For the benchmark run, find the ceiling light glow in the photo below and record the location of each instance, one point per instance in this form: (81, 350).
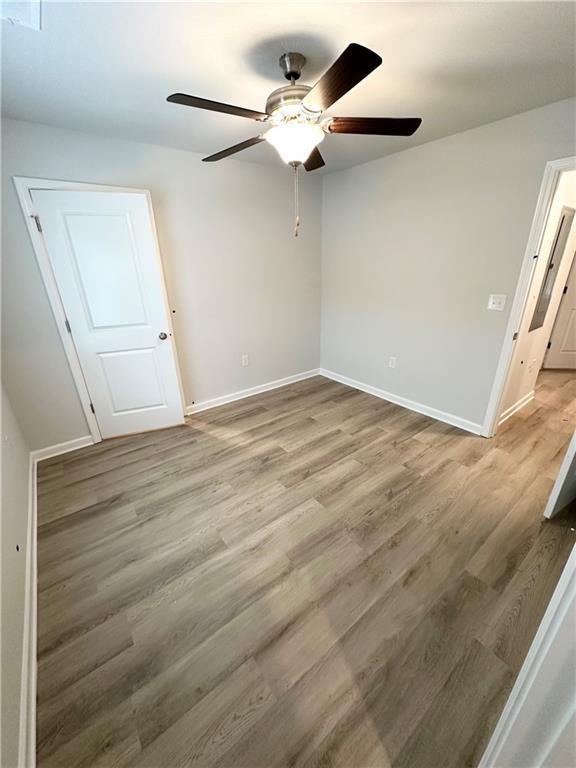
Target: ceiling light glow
(294, 141)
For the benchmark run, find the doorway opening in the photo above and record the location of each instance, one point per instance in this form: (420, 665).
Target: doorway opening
(540, 348)
(536, 378)
(547, 334)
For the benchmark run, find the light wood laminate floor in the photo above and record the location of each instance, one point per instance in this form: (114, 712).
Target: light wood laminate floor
(309, 577)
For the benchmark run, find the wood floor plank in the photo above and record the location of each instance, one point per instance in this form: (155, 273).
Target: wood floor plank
(186, 678)
(306, 707)
(310, 577)
(63, 618)
(525, 598)
(78, 658)
(109, 742)
(354, 741)
(398, 664)
(214, 725)
(501, 555)
(459, 709)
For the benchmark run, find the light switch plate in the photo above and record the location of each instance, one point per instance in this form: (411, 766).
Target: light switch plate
(497, 301)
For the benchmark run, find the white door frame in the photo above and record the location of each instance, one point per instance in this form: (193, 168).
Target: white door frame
(23, 186)
(552, 173)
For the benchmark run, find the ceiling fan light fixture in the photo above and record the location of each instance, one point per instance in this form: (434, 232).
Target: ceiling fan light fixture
(295, 113)
(294, 141)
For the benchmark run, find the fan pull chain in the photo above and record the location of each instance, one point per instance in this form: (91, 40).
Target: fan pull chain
(296, 202)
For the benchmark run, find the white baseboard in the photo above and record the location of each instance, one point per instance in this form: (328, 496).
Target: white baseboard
(516, 407)
(28, 676)
(241, 394)
(55, 450)
(426, 410)
(27, 722)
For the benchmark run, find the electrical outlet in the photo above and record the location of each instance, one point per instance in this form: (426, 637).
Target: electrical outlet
(497, 301)
(245, 361)
(392, 362)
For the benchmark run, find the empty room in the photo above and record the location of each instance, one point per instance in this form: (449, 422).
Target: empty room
(288, 384)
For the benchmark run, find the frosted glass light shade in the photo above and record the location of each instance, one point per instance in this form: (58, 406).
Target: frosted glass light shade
(294, 141)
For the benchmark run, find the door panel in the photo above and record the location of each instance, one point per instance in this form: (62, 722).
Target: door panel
(103, 252)
(104, 255)
(553, 267)
(562, 352)
(133, 380)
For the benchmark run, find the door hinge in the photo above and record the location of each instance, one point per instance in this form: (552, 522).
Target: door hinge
(515, 336)
(548, 345)
(565, 290)
(37, 221)
(67, 324)
(92, 409)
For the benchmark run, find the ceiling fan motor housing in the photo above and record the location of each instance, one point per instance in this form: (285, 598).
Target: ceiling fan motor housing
(286, 99)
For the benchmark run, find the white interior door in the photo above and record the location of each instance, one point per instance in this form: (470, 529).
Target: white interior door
(562, 351)
(102, 248)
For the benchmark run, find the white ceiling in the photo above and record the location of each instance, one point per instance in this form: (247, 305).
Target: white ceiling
(108, 67)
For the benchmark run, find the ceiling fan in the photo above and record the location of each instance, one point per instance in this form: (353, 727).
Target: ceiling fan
(295, 113)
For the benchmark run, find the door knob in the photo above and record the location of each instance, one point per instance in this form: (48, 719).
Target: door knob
(162, 335)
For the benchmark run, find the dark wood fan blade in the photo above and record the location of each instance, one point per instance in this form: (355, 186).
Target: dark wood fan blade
(215, 106)
(233, 150)
(377, 126)
(315, 160)
(352, 66)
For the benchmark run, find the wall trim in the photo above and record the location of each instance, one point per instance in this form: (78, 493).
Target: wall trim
(205, 405)
(555, 612)
(27, 719)
(516, 407)
(55, 450)
(411, 405)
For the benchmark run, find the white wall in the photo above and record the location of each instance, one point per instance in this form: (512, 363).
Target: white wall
(239, 281)
(530, 348)
(15, 508)
(413, 244)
